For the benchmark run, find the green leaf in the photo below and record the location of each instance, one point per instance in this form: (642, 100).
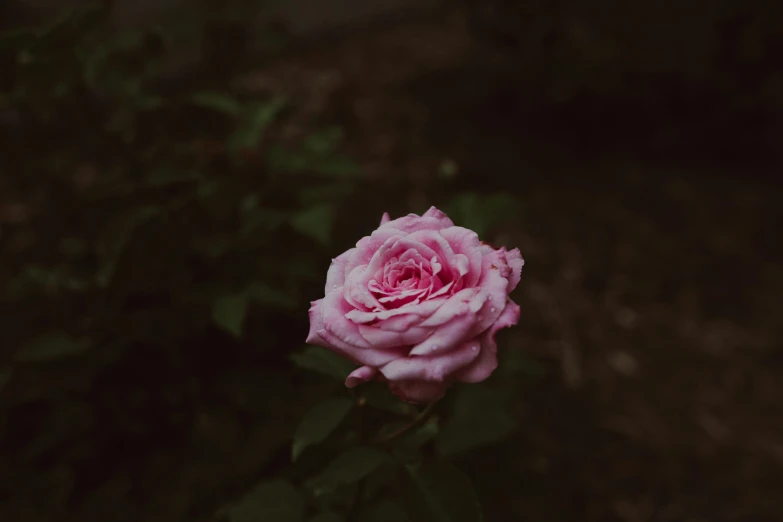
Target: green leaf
(324, 362)
(51, 347)
(324, 141)
(229, 313)
(386, 511)
(315, 222)
(256, 120)
(437, 491)
(479, 419)
(275, 501)
(319, 423)
(350, 467)
(327, 517)
(218, 102)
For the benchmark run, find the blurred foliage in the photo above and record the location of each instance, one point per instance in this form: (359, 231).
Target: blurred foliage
(161, 242)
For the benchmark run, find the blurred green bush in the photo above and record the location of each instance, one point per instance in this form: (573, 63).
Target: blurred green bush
(161, 243)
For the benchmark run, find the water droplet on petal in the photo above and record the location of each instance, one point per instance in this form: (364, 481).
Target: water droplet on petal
(492, 309)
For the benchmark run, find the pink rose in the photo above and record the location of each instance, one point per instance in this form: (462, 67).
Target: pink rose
(417, 305)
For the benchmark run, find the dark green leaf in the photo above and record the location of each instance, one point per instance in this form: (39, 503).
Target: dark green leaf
(319, 423)
(254, 123)
(275, 501)
(51, 347)
(350, 467)
(229, 313)
(323, 361)
(386, 511)
(437, 491)
(315, 222)
(324, 141)
(479, 419)
(219, 102)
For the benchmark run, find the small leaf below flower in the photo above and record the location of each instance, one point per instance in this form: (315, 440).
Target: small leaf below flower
(350, 467)
(319, 423)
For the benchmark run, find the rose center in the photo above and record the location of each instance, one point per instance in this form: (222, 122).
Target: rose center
(408, 281)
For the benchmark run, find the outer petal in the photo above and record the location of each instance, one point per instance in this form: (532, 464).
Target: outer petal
(316, 323)
(320, 336)
(515, 262)
(335, 277)
(433, 219)
(418, 392)
(447, 338)
(492, 292)
(487, 361)
(360, 375)
(333, 309)
(433, 369)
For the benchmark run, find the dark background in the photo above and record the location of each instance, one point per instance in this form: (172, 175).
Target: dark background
(176, 177)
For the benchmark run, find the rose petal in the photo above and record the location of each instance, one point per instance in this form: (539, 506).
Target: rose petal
(360, 375)
(367, 246)
(466, 242)
(487, 361)
(335, 277)
(320, 336)
(436, 243)
(433, 219)
(446, 337)
(333, 309)
(435, 369)
(515, 262)
(385, 339)
(457, 304)
(421, 310)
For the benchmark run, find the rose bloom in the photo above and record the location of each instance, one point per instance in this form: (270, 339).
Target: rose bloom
(417, 305)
